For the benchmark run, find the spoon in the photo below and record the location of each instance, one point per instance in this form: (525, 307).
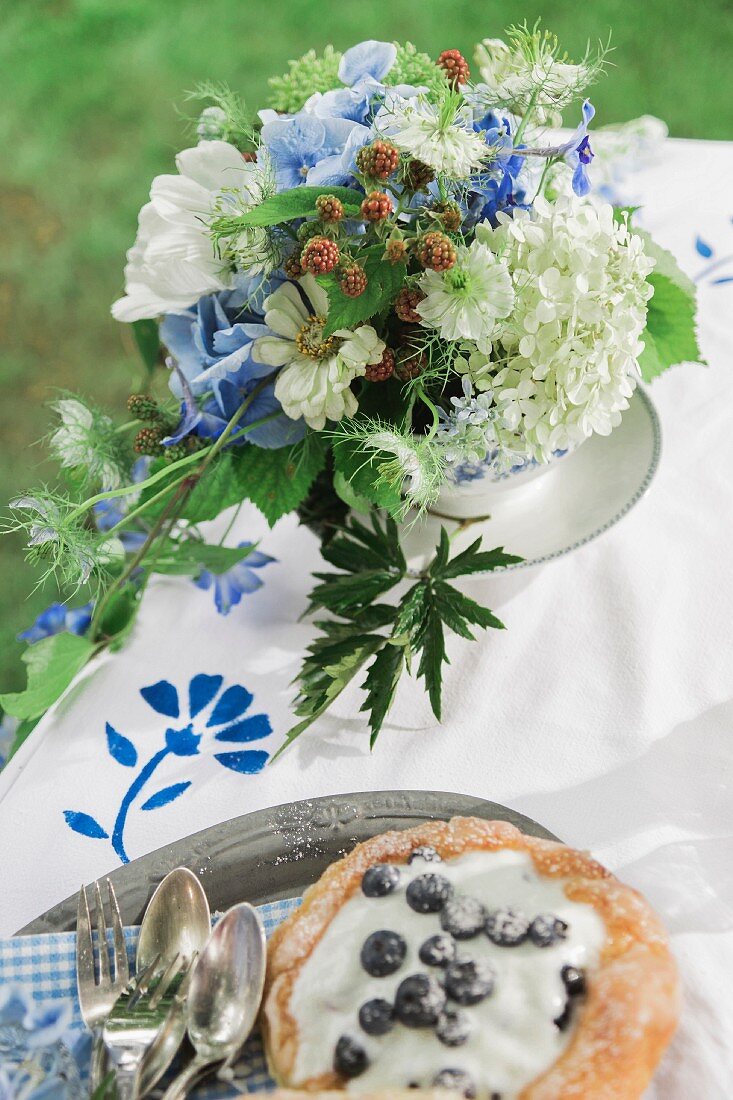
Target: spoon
(177, 922)
(224, 995)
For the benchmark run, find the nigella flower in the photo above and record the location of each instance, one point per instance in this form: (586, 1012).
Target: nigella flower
(56, 619)
(465, 302)
(86, 443)
(238, 581)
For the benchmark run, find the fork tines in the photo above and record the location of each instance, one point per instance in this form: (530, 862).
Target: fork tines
(106, 976)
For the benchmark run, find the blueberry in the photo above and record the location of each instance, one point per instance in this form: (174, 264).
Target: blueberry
(507, 927)
(469, 981)
(383, 953)
(439, 950)
(380, 880)
(547, 929)
(463, 917)
(574, 980)
(376, 1017)
(419, 1001)
(562, 1021)
(453, 1028)
(349, 1058)
(457, 1080)
(428, 893)
(426, 853)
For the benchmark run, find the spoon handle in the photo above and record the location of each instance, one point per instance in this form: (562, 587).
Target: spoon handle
(189, 1077)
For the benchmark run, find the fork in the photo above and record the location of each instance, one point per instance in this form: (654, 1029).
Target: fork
(137, 1017)
(98, 993)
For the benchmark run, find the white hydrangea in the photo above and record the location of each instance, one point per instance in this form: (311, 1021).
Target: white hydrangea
(465, 302)
(315, 382)
(568, 354)
(447, 143)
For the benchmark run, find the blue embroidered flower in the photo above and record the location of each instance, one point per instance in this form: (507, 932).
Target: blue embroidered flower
(56, 619)
(240, 580)
(227, 723)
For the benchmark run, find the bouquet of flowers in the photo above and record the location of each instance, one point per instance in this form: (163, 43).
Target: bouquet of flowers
(391, 271)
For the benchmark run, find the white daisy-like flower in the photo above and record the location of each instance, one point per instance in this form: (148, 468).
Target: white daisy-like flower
(465, 302)
(449, 145)
(568, 353)
(317, 373)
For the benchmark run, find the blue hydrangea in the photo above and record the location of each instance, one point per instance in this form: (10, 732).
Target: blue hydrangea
(240, 580)
(214, 370)
(38, 1056)
(56, 619)
(298, 146)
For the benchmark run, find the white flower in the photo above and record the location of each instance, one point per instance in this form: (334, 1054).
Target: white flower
(465, 302)
(418, 465)
(529, 75)
(173, 262)
(449, 145)
(86, 441)
(317, 374)
(568, 353)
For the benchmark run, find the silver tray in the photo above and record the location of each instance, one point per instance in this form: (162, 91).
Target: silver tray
(278, 852)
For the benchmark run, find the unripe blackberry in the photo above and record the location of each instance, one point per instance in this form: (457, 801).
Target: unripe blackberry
(330, 209)
(449, 214)
(405, 304)
(175, 451)
(378, 160)
(143, 407)
(436, 251)
(395, 251)
(320, 256)
(292, 266)
(353, 281)
(148, 441)
(306, 230)
(455, 67)
(376, 207)
(416, 176)
(384, 369)
(410, 364)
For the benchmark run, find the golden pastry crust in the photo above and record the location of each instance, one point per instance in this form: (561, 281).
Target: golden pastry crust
(632, 1005)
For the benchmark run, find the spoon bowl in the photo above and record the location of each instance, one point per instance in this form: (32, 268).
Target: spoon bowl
(177, 921)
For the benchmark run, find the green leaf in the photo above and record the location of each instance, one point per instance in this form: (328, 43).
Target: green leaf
(458, 610)
(120, 611)
(298, 202)
(343, 593)
(218, 488)
(361, 469)
(52, 665)
(474, 560)
(147, 339)
(381, 682)
(433, 655)
(412, 613)
(348, 494)
(665, 263)
(384, 280)
(191, 557)
(670, 337)
(278, 480)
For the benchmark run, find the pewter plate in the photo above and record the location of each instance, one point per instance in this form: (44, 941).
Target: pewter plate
(279, 852)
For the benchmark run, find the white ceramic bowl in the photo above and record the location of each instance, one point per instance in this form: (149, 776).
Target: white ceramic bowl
(473, 490)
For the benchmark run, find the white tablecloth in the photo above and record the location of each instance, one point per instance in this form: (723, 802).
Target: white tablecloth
(605, 710)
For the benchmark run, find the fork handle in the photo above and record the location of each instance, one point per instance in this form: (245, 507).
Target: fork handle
(99, 1065)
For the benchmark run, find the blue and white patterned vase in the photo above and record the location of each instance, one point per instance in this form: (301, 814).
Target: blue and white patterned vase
(474, 489)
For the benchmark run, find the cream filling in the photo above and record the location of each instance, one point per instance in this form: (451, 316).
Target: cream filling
(513, 1037)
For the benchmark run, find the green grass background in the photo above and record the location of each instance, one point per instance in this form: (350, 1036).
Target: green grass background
(88, 117)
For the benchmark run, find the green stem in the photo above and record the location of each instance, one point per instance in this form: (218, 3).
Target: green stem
(126, 427)
(137, 487)
(436, 419)
(525, 118)
(142, 508)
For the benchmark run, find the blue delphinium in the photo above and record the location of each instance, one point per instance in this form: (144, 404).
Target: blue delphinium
(214, 370)
(578, 153)
(498, 189)
(56, 619)
(241, 579)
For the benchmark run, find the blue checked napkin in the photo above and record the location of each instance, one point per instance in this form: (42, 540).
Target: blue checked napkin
(46, 966)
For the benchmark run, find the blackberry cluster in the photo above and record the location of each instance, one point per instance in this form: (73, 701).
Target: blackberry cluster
(320, 256)
(405, 305)
(353, 281)
(376, 207)
(449, 215)
(378, 160)
(395, 251)
(417, 176)
(436, 251)
(410, 364)
(455, 67)
(330, 209)
(384, 369)
(292, 266)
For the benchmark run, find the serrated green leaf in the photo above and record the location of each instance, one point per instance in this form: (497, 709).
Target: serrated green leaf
(342, 593)
(147, 339)
(276, 481)
(298, 202)
(384, 280)
(52, 665)
(433, 656)
(381, 682)
(458, 610)
(665, 263)
(475, 560)
(670, 337)
(412, 613)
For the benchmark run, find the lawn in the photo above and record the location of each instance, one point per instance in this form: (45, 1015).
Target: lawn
(92, 111)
